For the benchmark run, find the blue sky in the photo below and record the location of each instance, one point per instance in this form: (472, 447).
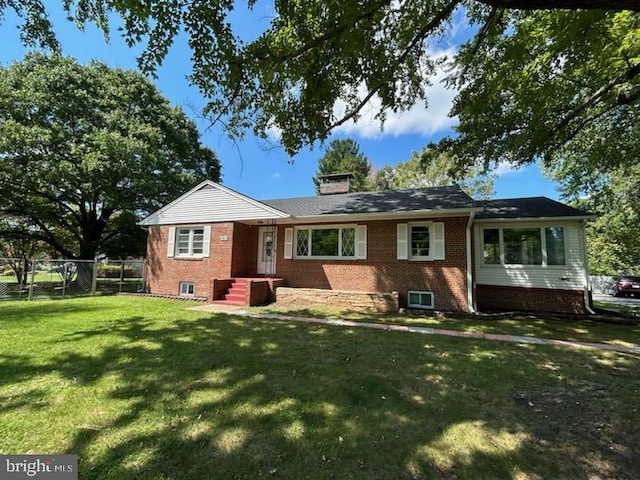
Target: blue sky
(250, 165)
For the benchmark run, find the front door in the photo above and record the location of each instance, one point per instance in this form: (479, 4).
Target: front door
(267, 251)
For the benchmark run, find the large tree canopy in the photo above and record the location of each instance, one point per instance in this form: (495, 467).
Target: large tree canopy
(86, 150)
(317, 54)
(544, 85)
(613, 195)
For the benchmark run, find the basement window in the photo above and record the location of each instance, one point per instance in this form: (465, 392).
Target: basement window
(187, 289)
(419, 299)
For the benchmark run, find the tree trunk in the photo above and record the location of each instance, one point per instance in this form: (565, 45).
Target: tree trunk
(84, 277)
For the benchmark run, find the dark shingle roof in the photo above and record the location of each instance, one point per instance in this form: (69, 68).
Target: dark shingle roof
(533, 207)
(437, 198)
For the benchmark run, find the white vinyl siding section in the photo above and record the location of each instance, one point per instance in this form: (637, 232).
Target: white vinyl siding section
(571, 276)
(211, 204)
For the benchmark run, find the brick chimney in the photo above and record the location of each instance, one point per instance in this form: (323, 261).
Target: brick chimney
(335, 183)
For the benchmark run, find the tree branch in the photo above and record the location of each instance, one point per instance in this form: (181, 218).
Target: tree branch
(601, 92)
(494, 17)
(316, 42)
(419, 37)
(49, 239)
(633, 5)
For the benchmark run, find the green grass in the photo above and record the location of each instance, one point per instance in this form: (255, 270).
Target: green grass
(625, 311)
(141, 388)
(565, 328)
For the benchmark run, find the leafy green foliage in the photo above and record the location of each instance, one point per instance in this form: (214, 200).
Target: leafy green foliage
(430, 168)
(540, 84)
(612, 195)
(344, 156)
(88, 149)
(556, 66)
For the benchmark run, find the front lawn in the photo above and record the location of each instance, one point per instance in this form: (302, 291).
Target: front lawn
(540, 325)
(141, 388)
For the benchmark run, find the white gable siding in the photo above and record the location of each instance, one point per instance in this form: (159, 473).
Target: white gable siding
(211, 204)
(571, 276)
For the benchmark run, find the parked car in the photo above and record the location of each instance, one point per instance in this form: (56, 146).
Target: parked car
(626, 285)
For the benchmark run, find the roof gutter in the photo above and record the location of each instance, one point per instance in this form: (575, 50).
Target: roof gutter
(535, 219)
(470, 265)
(370, 216)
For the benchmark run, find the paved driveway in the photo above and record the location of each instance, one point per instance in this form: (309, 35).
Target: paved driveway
(633, 302)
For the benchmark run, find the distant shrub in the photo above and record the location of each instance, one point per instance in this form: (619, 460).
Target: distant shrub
(113, 271)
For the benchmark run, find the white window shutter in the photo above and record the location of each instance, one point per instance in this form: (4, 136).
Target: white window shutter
(438, 241)
(206, 241)
(361, 242)
(402, 241)
(288, 243)
(171, 241)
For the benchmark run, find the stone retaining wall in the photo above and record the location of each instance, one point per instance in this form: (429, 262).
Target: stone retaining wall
(370, 302)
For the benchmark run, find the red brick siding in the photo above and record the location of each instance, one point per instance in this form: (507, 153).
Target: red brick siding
(492, 297)
(164, 273)
(382, 272)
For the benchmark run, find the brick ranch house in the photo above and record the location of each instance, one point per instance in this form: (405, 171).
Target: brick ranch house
(433, 248)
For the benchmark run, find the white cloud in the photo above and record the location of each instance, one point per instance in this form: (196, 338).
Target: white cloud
(276, 176)
(506, 168)
(417, 120)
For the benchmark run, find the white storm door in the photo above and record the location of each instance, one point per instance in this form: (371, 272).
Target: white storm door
(266, 251)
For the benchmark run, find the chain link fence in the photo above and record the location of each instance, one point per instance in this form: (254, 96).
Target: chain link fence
(22, 279)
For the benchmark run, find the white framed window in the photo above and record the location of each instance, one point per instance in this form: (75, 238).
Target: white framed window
(420, 299)
(189, 241)
(528, 246)
(420, 241)
(187, 289)
(345, 242)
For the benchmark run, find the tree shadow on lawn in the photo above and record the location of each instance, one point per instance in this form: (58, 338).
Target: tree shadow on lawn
(575, 328)
(223, 397)
(37, 311)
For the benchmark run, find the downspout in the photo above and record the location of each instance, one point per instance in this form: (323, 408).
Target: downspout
(470, 265)
(585, 259)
